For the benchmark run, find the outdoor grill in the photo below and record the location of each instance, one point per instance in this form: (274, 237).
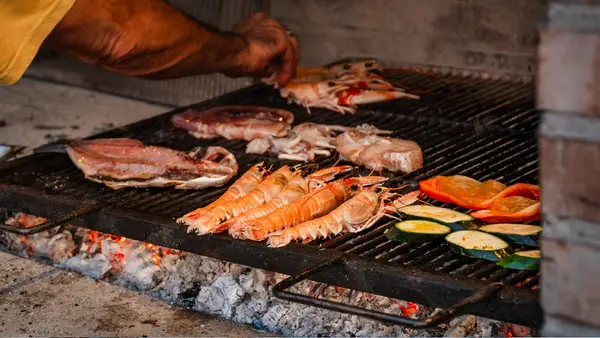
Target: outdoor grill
(465, 124)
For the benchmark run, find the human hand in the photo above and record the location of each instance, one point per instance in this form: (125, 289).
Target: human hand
(270, 49)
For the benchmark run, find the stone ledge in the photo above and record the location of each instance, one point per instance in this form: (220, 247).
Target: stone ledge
(574, 127)
(570, 275)
(569, 175)
(570, 229)
(562, 327)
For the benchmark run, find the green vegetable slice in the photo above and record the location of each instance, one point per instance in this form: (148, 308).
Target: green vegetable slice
(522, 260)
(478, 244)
(523, 234)
(454, 219)
(416, 231)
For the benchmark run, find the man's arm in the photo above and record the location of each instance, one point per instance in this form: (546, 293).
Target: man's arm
(151, 39)
(146, 38)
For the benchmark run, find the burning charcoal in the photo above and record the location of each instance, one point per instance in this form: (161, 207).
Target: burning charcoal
(254, 280)
(271, 319)
(221, 297)
(95, 267)
(248, 313)
(461, 326)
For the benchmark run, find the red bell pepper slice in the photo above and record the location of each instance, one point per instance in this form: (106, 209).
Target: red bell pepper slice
(510, 210)
(495, 201)
(462, 190)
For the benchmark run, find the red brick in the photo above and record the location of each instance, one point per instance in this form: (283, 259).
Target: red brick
(570, 275)
(570, 178)
(569, 72)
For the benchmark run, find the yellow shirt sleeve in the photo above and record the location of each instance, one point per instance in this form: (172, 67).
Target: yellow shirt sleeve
(24, 25)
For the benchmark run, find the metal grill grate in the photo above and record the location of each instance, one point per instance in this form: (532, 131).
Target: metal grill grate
(476, 127)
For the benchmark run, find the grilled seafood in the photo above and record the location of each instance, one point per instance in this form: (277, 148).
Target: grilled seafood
(294, 190)
(306, 141)
(235, 122)
(356, 214)
(123, 162)
(249, 180)
(377, 152)
(209, 221)
(341, 96)
(322, 94)
(340, 87)
(316, 204)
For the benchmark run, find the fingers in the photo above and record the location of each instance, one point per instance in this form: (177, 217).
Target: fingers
(290, 60)
(272, 47)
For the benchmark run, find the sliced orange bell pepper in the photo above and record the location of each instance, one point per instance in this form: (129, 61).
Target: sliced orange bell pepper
(495, 201)
(462, 190)
(510, 210)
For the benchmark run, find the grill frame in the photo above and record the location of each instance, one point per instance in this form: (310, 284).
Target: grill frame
(47, 197)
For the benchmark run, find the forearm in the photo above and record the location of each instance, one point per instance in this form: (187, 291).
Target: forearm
(144, 44)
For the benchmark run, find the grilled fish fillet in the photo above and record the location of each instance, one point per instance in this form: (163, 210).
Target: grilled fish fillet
(123, 162)
(377, 152)
(235, 122)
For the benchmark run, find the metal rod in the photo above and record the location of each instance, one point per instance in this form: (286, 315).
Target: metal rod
(51, 224)
(279, 290)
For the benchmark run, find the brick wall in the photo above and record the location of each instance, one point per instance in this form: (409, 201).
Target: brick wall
(568, 88)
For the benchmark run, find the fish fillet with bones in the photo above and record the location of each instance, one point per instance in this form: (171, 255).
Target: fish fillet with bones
(124, 162)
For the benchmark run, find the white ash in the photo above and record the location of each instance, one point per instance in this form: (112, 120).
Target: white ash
(95, 267)
(221, 298)
(225, 289)
(55, 244)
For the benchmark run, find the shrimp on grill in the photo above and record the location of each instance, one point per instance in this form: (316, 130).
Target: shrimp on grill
(356, 214)
(316, 204)
(209, 221)
(294, 190)
(248, 181)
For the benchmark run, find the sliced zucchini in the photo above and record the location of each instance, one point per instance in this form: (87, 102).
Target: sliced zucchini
(522, 260)
(479, 244)
(454, 219)
(515, 233)
(416, 231)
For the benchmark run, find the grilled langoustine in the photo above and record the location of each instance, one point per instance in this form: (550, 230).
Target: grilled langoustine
(124, 162)
(296, 188)
(312, 205)
(210, 221)
(358, 213)
(377, 152)
(235, 122)
(240, 188)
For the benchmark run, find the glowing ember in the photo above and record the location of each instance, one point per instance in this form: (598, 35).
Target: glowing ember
(514, 330)
(409, 309)
(23, 220)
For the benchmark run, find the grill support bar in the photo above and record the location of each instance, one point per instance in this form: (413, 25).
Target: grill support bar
(51, 224)
(279, 290)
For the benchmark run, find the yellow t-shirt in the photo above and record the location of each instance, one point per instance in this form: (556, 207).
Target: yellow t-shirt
(24, 25)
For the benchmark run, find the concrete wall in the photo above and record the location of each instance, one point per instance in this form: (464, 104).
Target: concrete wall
(491, 35)
(568, 88)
